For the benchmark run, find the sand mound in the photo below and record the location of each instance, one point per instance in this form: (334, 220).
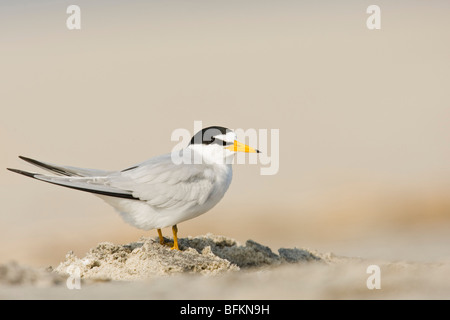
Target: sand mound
(248, 271)
(12, 273)
(210, 254)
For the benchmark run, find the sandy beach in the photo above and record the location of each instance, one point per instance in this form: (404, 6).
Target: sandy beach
(217, 267)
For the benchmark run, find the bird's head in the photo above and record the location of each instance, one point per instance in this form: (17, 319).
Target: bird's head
(218, 144)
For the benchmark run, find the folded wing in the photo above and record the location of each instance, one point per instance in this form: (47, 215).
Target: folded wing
(159, 182)
(165, 185)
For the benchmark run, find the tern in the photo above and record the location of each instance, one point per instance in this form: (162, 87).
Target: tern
(164, 190)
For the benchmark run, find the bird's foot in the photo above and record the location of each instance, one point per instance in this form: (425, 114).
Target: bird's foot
(169, 244)
(174, 244)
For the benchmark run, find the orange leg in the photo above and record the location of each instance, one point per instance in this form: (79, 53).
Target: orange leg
(175, 238)
(161, 239)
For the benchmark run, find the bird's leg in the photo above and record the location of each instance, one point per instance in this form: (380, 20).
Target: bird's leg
(161, 239)
(175, 238)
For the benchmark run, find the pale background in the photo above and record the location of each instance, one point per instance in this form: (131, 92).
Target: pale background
(363, 117)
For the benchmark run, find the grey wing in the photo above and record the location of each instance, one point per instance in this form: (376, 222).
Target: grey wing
(89, 180)
(165, 185)
(66, 170)
(96, 185)
(158, 181)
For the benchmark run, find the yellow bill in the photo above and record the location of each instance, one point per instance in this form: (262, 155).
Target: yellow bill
(240, 147)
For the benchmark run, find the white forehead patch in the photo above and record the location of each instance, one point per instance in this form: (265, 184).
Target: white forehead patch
(229, 137)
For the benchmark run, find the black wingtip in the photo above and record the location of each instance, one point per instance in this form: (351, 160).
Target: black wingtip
(49, 167)
(32, 161)
(105, 193)
(25, 173)
(257, 151)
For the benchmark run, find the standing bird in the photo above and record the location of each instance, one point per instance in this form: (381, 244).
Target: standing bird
(162, 191)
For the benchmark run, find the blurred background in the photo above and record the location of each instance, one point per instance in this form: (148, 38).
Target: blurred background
(363, 116)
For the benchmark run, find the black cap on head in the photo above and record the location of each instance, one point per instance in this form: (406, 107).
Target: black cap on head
(205, 136)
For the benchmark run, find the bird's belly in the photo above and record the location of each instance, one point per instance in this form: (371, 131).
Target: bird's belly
(143, 216)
